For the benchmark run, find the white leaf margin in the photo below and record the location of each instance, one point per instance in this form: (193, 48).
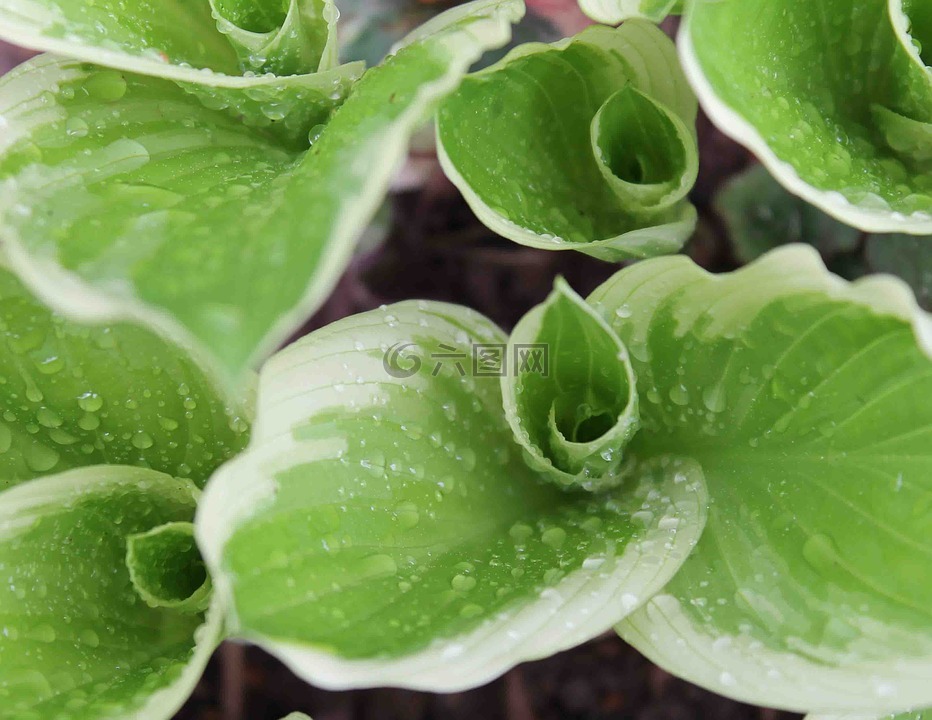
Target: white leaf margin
(586, 603)
(737, 667)
(51, 490)
(647, 58)
(30, 35)
(735, 126)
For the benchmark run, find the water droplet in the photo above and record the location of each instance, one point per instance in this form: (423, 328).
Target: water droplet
(89, 637)
(378, 565)
(48, 418)
(679, 395)
(554, 537)
(42, 633)
(521, 533)
(41, 459)
(472, 610)
(463, 583)
(108, 86)
(820, 552)
(142, 440)
(315, 132)
(76, 127)
(89, 421)
(714, 398)
(407, 515)
(51, 365)
(90, 402)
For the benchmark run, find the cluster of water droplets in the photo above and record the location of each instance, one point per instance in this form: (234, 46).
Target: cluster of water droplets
(72, 396)
(71, 614)
(813, 96)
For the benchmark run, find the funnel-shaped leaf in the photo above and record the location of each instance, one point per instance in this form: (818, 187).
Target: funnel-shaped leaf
(804, 401)
(833, 96)
(206, 42)
(383, 528)
(290, 38)
(571, 399)
(588, 144)
(76, 640)
(166, 568)
(145, 204)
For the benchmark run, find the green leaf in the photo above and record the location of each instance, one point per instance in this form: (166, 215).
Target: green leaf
(574, 412)
(296, 716)
(833, 97)
(73, 395)
(154, 208)
(204, 43)
(383, 529)
(761, 215)
(75, 639)
(804, 401)
(612, 12)
(166, 568)
(588, 144)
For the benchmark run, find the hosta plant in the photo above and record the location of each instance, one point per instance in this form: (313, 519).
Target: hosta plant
(834, 97)
(732, 471)
(588, 144)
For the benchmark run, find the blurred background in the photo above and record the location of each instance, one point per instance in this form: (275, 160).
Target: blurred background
(425, 243)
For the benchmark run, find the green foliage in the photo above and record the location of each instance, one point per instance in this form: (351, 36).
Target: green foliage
(371, 533)
(127, 196)
(733, 471)
(588, 144)
(834, 97)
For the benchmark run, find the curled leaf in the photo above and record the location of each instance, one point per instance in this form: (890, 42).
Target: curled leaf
(383, 528)
(835, 98)
(572, 400)
(206, 43)
(76, 639)
(291, 38)
(588, 144)
(166, 568)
